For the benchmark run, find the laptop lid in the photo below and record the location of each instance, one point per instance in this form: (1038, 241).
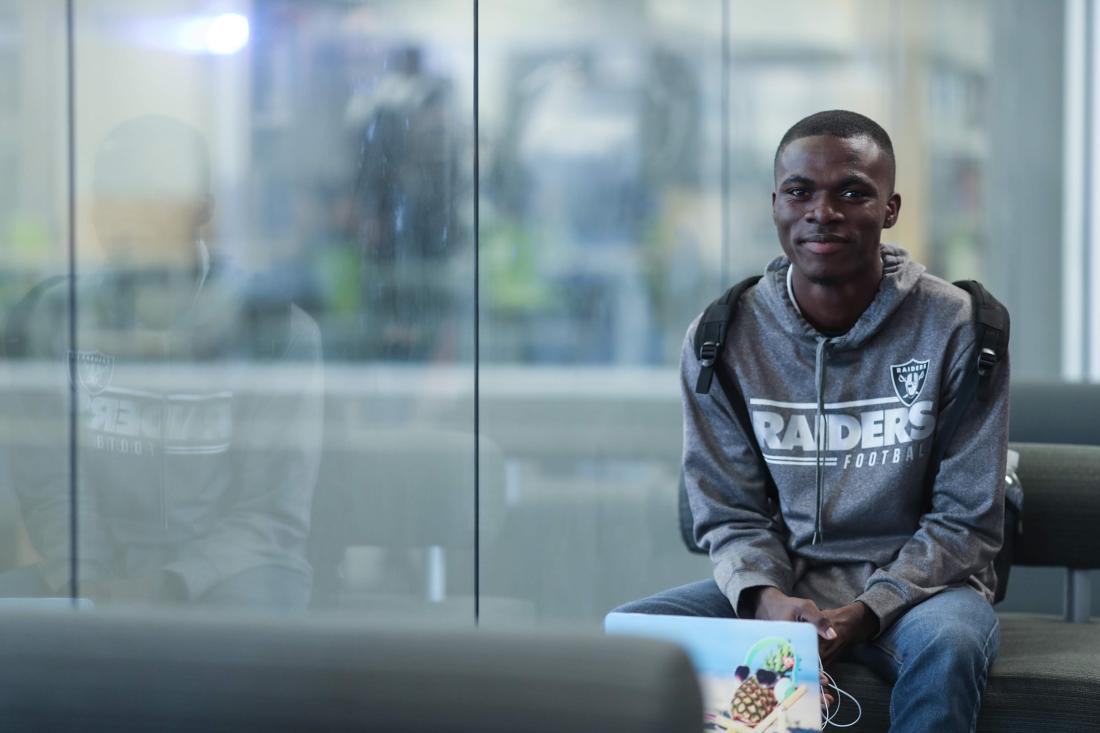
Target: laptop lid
(756, 676)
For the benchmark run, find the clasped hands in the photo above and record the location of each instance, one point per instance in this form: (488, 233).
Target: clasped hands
(837, 629)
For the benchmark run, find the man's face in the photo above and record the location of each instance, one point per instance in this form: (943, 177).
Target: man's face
(833, 197)
(148, 232)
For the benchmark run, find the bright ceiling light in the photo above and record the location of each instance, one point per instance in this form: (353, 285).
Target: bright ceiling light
(227, 34)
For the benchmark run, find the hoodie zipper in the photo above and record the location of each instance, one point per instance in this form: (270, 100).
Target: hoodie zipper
(820, 431)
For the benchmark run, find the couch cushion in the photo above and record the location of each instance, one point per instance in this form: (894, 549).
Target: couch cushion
(1046, 678)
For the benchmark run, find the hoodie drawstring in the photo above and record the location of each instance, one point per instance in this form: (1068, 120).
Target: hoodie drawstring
(820, 426)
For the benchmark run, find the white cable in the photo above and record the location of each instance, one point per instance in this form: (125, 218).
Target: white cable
(830, 716)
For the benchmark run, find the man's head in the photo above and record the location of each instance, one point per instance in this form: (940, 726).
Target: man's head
(151, 192)
(834, 194)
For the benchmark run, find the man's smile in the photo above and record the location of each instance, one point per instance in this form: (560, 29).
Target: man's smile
(823, 244)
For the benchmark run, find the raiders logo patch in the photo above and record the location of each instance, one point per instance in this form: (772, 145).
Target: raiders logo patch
(908, 379)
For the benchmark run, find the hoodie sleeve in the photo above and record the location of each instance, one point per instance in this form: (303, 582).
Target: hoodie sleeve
(40, 473)
(269, 520)
(37, 455)
(726, 489)
(960, 535)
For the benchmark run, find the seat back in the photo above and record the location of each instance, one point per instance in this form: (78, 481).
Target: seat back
(1061, 506)
(92, 671)
(1055, 412)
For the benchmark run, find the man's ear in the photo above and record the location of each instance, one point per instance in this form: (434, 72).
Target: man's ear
(893, 208)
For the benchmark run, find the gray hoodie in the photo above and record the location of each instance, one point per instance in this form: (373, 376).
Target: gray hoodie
(878, 390)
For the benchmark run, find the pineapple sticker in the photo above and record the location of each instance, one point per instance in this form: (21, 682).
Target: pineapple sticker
(752, 702)
(763, 695)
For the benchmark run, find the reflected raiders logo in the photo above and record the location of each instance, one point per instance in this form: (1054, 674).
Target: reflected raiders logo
(908, 379)
(93, 370)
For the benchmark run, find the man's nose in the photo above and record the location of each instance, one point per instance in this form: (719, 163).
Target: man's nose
(822, 211)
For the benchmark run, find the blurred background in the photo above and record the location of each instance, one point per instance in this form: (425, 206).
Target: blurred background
(275, 337)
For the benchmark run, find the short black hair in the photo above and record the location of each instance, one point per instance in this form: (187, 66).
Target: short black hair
(843, 124)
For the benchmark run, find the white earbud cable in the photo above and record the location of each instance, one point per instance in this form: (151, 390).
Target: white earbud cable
(830, 716)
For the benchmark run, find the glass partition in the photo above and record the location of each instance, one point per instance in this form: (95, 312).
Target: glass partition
(294, 374)
(34, 238)
(601, 224)
(626, 180)
(273, 353)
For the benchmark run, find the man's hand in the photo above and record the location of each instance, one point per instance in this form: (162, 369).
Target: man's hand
(838, 628)
(772, 604)
(853, 624)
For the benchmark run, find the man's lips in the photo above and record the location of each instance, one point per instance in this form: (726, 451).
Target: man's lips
(823, 245)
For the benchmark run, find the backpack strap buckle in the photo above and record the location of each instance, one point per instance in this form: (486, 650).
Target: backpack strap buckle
(987, 359)
(708, 352)
(711, 332)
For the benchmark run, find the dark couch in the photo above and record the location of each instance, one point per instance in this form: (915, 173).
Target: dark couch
(1047, 674)
(110, 671)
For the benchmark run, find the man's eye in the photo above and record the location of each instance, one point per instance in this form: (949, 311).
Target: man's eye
(854, 194)
(796, 192)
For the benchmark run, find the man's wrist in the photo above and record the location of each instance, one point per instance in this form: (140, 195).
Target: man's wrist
(754, 600)
(868, 623)
(748, 601)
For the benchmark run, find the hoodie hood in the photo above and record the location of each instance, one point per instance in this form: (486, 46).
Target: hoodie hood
(900, 275)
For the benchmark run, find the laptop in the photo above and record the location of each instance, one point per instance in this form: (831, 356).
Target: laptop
(756, 676)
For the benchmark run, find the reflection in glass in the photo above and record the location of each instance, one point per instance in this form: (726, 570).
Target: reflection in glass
(274, 177)
(176, 501)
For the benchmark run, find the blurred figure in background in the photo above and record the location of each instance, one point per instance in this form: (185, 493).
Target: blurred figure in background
(190, 489)
(408, 219)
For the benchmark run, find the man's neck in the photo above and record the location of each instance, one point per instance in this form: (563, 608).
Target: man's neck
(834, 308)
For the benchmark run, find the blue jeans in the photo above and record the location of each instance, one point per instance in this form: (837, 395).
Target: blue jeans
(937, 655)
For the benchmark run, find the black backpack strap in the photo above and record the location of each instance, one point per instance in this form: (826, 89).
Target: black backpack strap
(993, 330)
(992, 323)
(710, 335)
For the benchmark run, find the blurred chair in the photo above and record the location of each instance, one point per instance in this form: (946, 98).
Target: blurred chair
(97, 672)
(1067, 414)
(1055, 412)
(393, 518)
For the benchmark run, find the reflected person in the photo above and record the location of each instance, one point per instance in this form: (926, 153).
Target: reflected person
(194, 480)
